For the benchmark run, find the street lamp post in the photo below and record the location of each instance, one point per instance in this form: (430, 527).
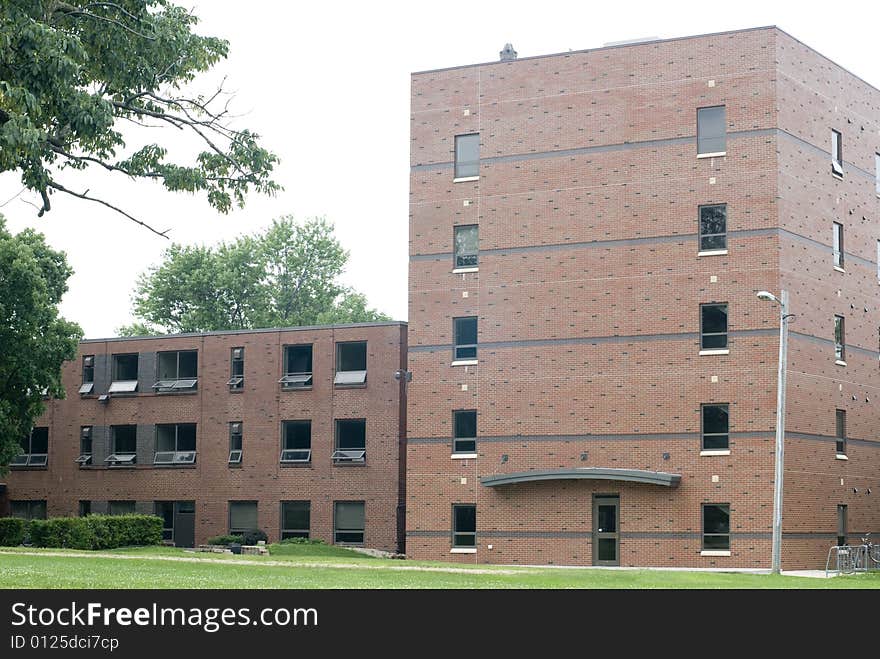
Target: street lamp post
(776, 551)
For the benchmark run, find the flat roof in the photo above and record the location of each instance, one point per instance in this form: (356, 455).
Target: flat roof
(636, 43)
(262, 330)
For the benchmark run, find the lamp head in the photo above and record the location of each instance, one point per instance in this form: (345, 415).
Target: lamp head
(767, 296)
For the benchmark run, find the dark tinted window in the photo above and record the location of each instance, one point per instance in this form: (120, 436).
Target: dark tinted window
(713, 326)
(464, 525)
(465, 330)
(715, 427)
(716, 526)
(465, 431)
(713, 227)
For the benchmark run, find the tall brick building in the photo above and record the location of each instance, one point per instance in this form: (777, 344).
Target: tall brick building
(297, 431)
(594, 378)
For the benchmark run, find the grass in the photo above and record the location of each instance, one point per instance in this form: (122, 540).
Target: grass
(335, 567)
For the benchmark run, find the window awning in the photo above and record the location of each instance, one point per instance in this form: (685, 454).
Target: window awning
(586, 473)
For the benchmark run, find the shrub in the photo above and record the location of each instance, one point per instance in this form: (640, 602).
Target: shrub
(12, 531)
(253, 536)
(97, 531)
(224, 540)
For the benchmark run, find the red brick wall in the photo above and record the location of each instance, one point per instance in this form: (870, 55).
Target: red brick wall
(627, 402)
(261, 407)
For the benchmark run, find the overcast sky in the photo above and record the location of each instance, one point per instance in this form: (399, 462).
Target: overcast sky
(326, 85)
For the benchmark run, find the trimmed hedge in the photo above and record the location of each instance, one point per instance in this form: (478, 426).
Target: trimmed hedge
(253, 536)
(96, 531)
(12, 531)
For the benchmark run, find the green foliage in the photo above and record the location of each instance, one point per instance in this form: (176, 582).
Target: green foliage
(96, 531)
(284, 277)
(253, 536)
(35, 340)
(71, 70)
(11, 531)
(225, 540)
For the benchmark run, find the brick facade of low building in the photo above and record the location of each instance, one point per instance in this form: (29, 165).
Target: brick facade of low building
(261, 405)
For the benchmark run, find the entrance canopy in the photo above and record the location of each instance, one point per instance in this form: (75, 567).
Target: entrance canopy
(587, 473)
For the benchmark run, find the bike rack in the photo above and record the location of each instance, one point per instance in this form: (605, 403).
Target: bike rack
(848, 559)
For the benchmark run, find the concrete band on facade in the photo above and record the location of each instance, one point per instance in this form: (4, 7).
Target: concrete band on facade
(584, 473)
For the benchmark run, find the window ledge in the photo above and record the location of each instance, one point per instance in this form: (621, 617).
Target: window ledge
(839, 362)
(463, 550)
(295, 465)
(838, 268)
(840, 456)
(458, 271)
(715, 452)
(716, 154)
(719, 351)
(465, 362)
(463, 456)
(715, 553)
(713, 252)
(465, 179)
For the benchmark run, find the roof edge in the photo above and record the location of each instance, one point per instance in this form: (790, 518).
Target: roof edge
(262, 330)
(591, 50)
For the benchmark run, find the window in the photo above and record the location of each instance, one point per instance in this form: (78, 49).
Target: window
(840, 432)
(713, 326)
(351, 363)
(121, 508)
(295, 519)
(348, 522)
(713, 227)
(464, 526)
(85, 508)
(175, 444)
(351, 441)
(715, 432)
(464, 431)
(837, 242)
(242, 517)
(28, 509)
(836, 152)
(85, 446)
(88, 375)
(297, 367)
(716, 527)
(467, 155)
(712, 131)
(840, 338)
(465, 331)
(466, 242)
(878, 260)
(236, 370)
(125, 374)
(123, 442)
(177, 371)
(296, 441)
(235, 435)
(842, 533)
(34, 450)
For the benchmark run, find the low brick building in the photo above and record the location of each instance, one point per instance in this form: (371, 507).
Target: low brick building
(594, 378)
(294, 431)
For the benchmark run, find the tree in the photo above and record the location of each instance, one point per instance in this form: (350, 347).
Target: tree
(35, 339)
(72, 71)
(284, 277)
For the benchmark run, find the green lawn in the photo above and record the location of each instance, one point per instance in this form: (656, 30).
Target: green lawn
(334, 567)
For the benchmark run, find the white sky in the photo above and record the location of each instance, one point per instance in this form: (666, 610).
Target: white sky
(326, 85)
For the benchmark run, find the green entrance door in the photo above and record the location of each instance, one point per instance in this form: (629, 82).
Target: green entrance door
(606, 533)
